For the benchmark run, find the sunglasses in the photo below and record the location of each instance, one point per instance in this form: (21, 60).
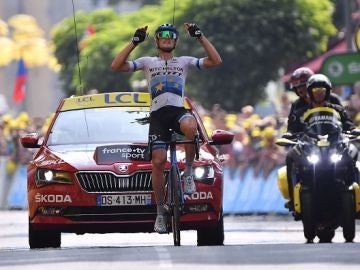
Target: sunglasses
(166, 34)
(318, 89)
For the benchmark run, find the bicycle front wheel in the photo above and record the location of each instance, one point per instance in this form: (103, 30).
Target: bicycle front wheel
(175, 194)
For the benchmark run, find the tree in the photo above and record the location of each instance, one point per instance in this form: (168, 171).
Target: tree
(254, 38)
(68, 34)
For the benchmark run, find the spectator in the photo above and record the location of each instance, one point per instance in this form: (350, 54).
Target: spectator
(356, 14)
(270, 156)
(4, 150)
(285, 106)
(238, 149)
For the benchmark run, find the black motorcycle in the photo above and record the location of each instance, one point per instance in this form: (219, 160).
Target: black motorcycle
(326, 193)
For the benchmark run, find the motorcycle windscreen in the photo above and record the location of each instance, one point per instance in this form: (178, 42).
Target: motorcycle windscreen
(322, 121)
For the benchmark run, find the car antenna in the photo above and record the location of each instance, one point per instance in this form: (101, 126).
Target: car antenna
(174, 12)
(77, 51)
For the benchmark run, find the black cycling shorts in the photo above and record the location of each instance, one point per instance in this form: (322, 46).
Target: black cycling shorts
(168, 117)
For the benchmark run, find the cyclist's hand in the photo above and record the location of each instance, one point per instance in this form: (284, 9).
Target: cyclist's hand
(193, 29)
(139, 35)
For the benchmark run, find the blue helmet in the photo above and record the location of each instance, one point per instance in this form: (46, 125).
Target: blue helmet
(167, 27)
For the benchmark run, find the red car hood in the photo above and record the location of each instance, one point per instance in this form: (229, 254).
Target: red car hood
(82, 156)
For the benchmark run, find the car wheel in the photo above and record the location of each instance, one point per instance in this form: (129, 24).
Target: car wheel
(348, 210)
(308, 215)
(43, 238)
(213, 236)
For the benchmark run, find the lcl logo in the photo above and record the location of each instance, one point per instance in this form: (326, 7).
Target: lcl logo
(123, 168)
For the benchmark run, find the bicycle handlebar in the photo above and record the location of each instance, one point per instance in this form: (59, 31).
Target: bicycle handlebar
(174, 141)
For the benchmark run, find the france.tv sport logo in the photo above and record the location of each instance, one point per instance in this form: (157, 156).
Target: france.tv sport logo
(118, 153)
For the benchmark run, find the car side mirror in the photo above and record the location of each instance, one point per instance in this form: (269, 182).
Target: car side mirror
(31, 140)
(220, 137)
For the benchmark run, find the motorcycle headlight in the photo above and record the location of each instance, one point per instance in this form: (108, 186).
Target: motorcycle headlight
(335, 157)
(46, 177)
(313, 158)
(204, 174)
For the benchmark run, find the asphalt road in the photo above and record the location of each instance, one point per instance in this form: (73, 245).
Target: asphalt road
(251, 242)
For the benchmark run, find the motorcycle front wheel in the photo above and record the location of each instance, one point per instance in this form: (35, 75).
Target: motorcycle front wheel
(326, 235)
(308, 215)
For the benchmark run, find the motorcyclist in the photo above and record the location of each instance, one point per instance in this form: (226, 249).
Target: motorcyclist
(298, 82)
(318, 90)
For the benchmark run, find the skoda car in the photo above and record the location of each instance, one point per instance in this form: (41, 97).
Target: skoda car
(91, 174)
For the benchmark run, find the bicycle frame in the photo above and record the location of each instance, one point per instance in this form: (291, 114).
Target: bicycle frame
(174, 164)
(174, 186)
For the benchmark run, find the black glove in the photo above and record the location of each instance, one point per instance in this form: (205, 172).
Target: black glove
(139, 36)
(194, 31)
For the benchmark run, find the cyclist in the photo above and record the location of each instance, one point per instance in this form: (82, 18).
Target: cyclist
(166, 75)
(318, 90)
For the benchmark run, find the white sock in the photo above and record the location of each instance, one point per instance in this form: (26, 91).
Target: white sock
(160, 210)
(188, 169)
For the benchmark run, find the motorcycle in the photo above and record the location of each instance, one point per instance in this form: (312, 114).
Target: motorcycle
(325, 177)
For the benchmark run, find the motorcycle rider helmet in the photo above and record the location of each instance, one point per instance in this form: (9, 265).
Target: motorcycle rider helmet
(318, 81)
(166, 31)
(299, 78)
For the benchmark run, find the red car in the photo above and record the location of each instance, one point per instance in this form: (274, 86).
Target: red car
(91, 175)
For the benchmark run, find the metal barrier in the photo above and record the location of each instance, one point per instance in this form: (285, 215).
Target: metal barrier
(249, 195)
(17, 198)
(4, 183)
(252, 195)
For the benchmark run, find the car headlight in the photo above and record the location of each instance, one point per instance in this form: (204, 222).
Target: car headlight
(46, 176)
(204, 174)
(335, 157)
(313, 158)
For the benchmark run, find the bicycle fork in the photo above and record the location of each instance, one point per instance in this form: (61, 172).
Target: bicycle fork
(174, 166)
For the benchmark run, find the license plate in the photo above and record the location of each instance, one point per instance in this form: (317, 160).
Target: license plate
(130, 199)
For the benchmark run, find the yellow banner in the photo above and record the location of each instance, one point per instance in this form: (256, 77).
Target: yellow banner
(115, 99)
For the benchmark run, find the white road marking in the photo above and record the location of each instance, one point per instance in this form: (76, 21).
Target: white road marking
(164, 257)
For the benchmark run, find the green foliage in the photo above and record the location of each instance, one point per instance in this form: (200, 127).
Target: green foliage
(254, 38)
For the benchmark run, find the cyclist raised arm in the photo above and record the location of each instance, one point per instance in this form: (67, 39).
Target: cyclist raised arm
(166, 76)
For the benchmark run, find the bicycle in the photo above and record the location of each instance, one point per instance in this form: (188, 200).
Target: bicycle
(174, 197)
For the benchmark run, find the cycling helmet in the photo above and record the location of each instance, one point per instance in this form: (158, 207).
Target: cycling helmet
(167, 27)
(318, 81)
(299, 77)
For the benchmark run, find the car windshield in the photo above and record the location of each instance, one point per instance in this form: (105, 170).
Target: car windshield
(99, 125)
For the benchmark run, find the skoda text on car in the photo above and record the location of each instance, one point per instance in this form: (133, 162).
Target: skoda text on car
(91, 173)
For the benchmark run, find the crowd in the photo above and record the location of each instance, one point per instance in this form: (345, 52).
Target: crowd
(11, 129)
(254, 142)
(253, 146)
(13, 156)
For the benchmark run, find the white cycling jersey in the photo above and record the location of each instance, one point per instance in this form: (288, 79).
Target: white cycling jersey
(166, 78)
